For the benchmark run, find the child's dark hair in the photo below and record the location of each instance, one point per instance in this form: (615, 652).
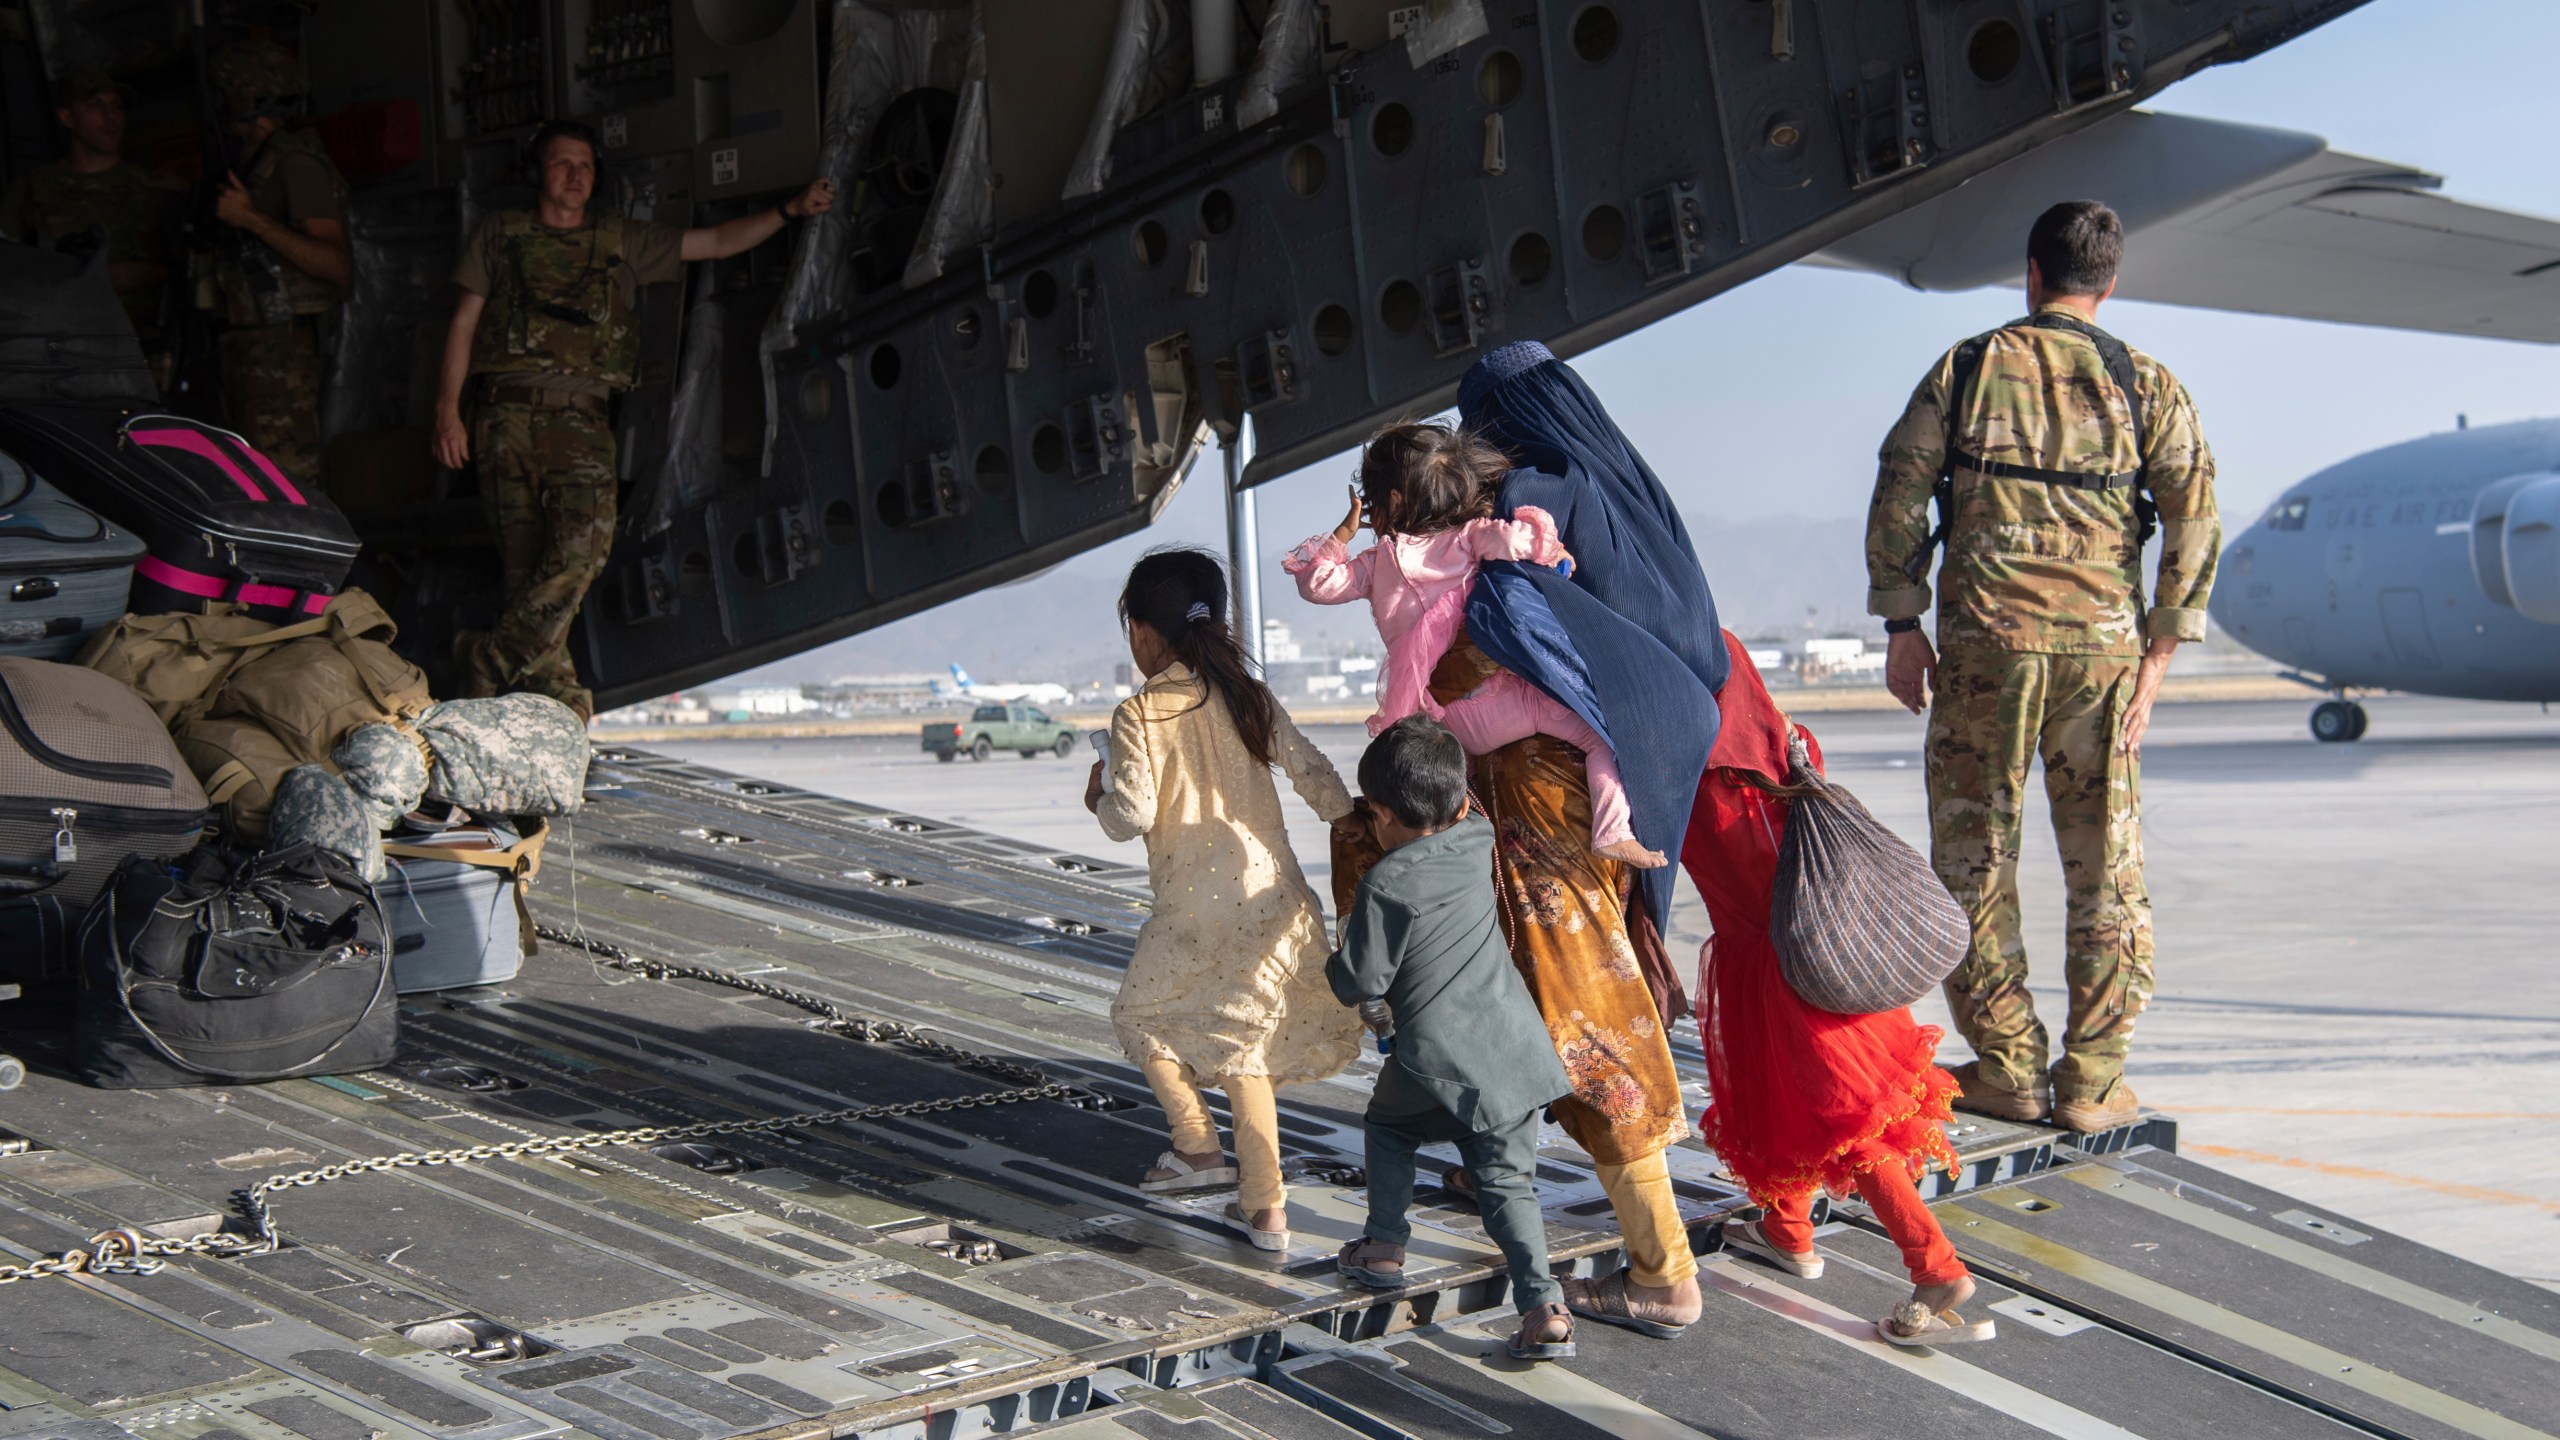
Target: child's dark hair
(1420, 478)
(1417, 769)
(1181, 593)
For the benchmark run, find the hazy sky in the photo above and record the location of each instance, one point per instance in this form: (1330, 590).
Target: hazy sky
(1768, 401)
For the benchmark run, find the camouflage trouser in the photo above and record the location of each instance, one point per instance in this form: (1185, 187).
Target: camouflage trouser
(1995, 713)
(271, 390)
(547, 478)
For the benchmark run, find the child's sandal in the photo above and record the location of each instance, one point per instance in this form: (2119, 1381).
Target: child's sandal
(1373, 1263)
(1525, 1344)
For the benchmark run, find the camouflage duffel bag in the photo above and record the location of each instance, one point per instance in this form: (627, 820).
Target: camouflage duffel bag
(519, 754)
(1860, 921)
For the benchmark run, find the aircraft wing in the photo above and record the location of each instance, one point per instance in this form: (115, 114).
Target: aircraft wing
(2242, 217)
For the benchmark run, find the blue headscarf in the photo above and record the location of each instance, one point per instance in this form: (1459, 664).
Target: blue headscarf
(1630, 641)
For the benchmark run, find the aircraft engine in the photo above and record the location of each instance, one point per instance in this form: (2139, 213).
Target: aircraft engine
(2529, 549)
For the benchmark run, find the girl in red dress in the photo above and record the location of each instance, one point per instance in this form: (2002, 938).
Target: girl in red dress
(1804, 1099)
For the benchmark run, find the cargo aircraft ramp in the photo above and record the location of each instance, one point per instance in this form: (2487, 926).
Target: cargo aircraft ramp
(825, 1133)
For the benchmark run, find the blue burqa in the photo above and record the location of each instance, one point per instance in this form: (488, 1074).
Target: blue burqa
(1629, 641)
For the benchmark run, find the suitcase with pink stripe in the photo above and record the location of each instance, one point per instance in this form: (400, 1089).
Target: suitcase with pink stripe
(223, 522)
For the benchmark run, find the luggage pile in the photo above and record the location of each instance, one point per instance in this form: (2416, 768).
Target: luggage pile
(234, 824)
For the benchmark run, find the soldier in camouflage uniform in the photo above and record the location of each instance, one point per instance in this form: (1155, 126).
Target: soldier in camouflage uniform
(547, 321)
(2047, 651)
(278, 280)
(95, 199)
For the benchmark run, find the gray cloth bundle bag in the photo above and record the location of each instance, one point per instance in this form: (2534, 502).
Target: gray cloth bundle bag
(1861, 922)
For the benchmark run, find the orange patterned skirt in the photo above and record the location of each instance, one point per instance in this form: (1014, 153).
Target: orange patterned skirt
(1565, 914)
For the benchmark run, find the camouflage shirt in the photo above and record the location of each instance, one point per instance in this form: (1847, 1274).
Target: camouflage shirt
(2035, 566)
(562, 304)
(291, 178)
(131, 209)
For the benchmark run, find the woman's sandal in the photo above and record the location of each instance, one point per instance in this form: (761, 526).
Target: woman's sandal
(1262, 1239)
(1373, 1263)
(1172, 1172)
(1605, 1300)
(1913, 1324)
(1746, 1237)
(1526, 1346)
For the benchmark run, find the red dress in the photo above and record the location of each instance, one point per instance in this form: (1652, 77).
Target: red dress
(1802, 1099)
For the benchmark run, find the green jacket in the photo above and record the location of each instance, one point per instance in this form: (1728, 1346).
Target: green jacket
(2038, 567)
(1423, 934)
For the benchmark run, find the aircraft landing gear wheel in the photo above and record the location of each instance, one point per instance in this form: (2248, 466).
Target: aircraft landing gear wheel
(2336, 721)
(2361, 720)
(1065, 747)
(981, 750)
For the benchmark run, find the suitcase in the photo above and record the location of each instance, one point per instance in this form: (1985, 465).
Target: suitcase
(87, 777)
(64, 572)
(458, 921)
(222, 521)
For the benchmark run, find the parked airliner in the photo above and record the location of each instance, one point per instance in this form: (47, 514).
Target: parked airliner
(1037, 692)
(2431, 566)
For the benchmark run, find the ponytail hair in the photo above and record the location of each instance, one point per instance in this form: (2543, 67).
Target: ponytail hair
(1181, 593)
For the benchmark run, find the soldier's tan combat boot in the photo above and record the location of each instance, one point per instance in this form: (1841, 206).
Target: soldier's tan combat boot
(2106, 1112)
(1997, 1101)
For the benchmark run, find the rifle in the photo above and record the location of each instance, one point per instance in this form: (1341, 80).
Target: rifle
(207, 234)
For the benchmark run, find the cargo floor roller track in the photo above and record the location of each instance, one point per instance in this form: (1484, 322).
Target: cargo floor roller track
(955, 1272)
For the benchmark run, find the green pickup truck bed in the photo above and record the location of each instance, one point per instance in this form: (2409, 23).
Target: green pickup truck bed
(1022, 729)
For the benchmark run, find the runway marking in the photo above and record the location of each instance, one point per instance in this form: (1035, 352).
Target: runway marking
(1938, 1367)
(1588, 1401)
(2369, 1114)
(2336, 1366)
(2451, 1189)
(2323, 1261)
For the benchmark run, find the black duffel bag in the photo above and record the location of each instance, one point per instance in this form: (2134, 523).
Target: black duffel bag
(1860, 921)
(230, 967)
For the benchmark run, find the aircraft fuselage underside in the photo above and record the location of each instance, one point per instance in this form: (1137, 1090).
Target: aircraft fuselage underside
(1571, 173)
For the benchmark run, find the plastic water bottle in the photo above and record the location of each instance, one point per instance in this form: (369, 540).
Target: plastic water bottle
(1381, 1022)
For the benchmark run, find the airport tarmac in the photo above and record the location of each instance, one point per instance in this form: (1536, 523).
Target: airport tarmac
(2355, 1000)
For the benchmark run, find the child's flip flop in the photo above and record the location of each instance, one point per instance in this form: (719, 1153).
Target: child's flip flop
(1913, 1325)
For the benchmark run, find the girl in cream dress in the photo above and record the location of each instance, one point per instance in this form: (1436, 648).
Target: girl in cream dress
(1227, 988)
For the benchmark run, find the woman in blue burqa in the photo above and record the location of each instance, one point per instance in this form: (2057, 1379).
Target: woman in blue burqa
(1630, 643)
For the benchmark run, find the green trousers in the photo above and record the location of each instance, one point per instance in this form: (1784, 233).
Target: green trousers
(547, 478)
(1996, 713)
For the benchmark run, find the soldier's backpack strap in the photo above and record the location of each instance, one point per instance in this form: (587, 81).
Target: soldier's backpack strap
(1942, 491)
(2118, 359)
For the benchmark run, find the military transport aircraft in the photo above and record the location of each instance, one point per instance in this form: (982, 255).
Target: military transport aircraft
(1080, 239)
(844, 1144)
(2432, 566)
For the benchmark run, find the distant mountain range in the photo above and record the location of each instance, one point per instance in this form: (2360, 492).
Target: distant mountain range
(1777, 576)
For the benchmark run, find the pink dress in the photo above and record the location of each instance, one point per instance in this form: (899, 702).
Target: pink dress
(1416, 586)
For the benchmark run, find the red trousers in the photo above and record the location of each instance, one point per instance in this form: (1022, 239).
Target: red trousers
(1886, 1186)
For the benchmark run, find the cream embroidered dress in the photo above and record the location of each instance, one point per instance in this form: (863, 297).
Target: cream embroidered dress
(1229, 973)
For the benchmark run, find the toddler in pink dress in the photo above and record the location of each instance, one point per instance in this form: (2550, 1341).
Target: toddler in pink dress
(1428, 492)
